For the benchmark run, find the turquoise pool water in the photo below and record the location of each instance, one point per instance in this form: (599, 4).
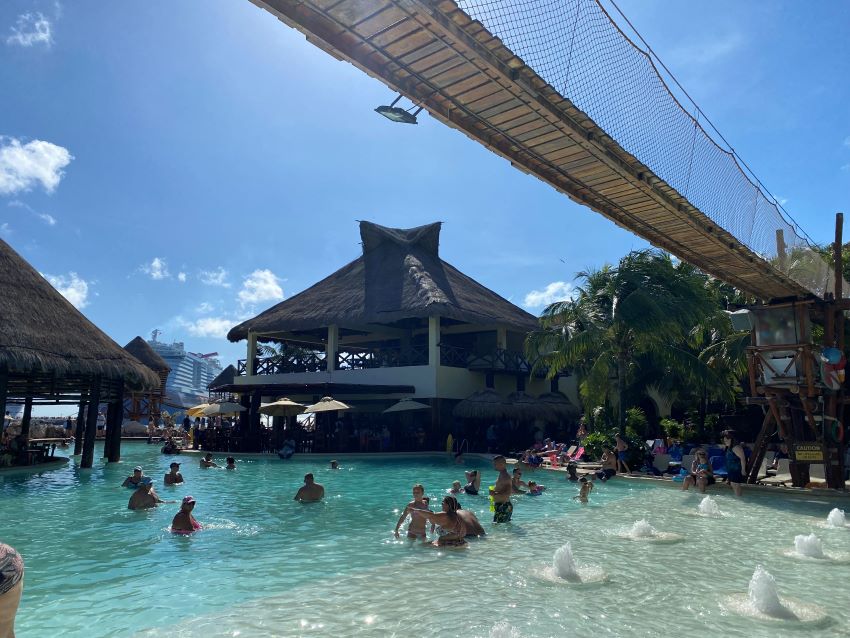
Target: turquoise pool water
(267, 566)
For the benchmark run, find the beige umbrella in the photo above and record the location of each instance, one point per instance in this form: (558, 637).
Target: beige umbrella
(222, 408)
(282, 407)
(198, 410)
(327, 404)
(405, 405)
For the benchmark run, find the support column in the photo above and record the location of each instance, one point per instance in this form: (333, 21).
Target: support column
(332, 346)
(25, 422)
(118, 407)
(110, 424)
(433, 341)
(502, 338)
(4, 393)
(80, 430)
(250, 370)
(91, 425)
(254, 426)
(245, 402)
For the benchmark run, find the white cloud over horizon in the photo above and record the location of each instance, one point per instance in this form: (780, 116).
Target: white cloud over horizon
(260, 285)
(31, 29)
(215, 327)
(215, 277)
(47, 218)
(157, 269)
(71, 286)
(181, 277)
(23, 166)
(555, 291)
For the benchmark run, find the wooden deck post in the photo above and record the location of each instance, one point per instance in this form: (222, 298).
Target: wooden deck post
(118, 420)
(25, 421)
(4, 392)
(254, 422)
(91, 424)
(80, 430)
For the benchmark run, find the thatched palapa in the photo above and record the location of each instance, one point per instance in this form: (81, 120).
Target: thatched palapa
(399, 276)
(562, 407)
(524, 407)
(140, 349)
(483, 404)
(41, 333)
(224, 378)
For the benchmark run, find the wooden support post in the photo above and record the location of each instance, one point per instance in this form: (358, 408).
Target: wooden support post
(244, 421)
(79, 431)
(4, 388)
(780, 250)
(760, 447)
(254, 426)
(25, 421)
(91, 425)
(118, 417)
(107, 438)
(332, 347)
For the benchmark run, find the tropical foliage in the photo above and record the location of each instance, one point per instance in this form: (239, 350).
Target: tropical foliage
(648, 322)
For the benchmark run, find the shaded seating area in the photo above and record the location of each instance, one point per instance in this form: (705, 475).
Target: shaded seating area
(50, 354)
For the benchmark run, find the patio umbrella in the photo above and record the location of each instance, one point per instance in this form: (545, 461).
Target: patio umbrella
(484, 404)
(282, 407)
(223, 408)
(405, 405)
(198, 410)
(327, 404)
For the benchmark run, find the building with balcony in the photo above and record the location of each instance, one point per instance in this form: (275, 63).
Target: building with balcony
(397, 322)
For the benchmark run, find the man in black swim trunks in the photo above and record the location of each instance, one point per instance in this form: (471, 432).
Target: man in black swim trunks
(501, 492)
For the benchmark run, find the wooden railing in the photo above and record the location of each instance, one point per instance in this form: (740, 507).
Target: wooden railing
(497, 360)
(302, 361)
(350, 358)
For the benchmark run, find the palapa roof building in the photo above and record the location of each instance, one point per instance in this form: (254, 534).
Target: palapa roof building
(400, 275)
(48, 345)
(140, 349)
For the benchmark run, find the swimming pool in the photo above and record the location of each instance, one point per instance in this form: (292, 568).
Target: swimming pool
(267, 566)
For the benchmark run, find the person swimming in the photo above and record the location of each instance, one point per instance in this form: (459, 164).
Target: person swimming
(184, 522)
(134, 480)
(334, 465)
(456, 488)
(144, 497)
(417, 527)
(451, 529)
(311, 491)
(174, 477)
(584, 493)
(231, 463)
(473, 482)
(207, 461)
(534, 489)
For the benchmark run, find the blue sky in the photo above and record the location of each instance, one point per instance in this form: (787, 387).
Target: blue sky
(181, 165)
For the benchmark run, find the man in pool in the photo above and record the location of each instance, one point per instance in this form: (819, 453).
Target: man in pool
(473, 482)
(207, 461)
(144, 497)
(135, 479)
(334, 465)
(417, 526)
(231, 463)
(501, 492)
(470, 520)
(173, 477)
(517, 483)
(310, 492)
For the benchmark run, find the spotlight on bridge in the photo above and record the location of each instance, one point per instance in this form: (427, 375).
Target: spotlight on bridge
(397, 114)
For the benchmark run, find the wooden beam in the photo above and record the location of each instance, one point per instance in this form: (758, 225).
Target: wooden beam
(27, 418)
(80, 430)
(91, 425)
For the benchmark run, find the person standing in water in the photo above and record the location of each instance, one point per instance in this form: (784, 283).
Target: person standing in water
(11, 588)
(174, 477)
(622, 447)
(451, 529)
(184, 522)
(736, 461)
(311, 491)
(417, 526)
(501, 492)
(144, 497)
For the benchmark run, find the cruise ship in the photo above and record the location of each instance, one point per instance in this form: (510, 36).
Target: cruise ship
(191, 372)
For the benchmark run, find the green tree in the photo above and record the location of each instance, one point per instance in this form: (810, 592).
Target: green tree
(624, 320)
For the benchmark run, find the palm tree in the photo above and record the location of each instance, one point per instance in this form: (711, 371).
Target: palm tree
(640, 311)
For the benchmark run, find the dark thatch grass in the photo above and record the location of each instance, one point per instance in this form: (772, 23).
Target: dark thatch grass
(524, 407)
(483, 404)
(225, 377)
(560, 404)
(41, 332)
(399, 276)
(140, 349)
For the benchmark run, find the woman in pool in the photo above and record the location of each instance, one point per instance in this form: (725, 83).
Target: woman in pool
(584, 493)
(534, 489)
(450, 526)
(701, 474)
(736, 461)
(473, 482)
(184, 522)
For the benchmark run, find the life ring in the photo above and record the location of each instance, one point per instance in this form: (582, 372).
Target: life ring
(837, 431)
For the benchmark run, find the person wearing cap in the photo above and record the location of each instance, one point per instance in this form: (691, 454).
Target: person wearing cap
(144, 497)
(207, 461)
(311, 491)
(174, 476)
(134, 480)
(184, 522)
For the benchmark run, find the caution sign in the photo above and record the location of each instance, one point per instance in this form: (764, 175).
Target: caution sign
(807, 453)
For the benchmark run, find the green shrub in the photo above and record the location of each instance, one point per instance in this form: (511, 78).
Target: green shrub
(673, 428)
(595, 442)
(636, 421)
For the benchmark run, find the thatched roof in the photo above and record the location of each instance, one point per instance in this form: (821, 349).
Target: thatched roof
(399, 276)
(225, 377)
(524, 407)
(140, 349)
(41, 332)
(560, 404)
(483, 404)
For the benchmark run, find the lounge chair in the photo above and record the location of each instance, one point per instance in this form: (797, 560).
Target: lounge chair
(783, 474)
(718, 466)
(579, 453)
(661, 462)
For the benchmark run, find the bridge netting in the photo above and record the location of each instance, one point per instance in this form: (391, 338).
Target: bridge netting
(578, 48)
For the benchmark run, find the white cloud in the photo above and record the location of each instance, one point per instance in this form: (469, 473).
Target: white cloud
(556, 291)
(217, 277)
(181, 277)
(707, 51)
(205, 308)
(5, 230)
(260, 285)
(22, 166)
(208, 326)
(782, 200)
(50, 220)
(31, 29)
(72, 287)
(157, 269)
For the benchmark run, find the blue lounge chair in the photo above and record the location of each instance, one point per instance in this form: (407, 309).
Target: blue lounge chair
(718, 465)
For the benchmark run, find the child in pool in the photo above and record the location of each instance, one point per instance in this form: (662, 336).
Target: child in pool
(534, 489)
(456, 488)
(584, 492)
